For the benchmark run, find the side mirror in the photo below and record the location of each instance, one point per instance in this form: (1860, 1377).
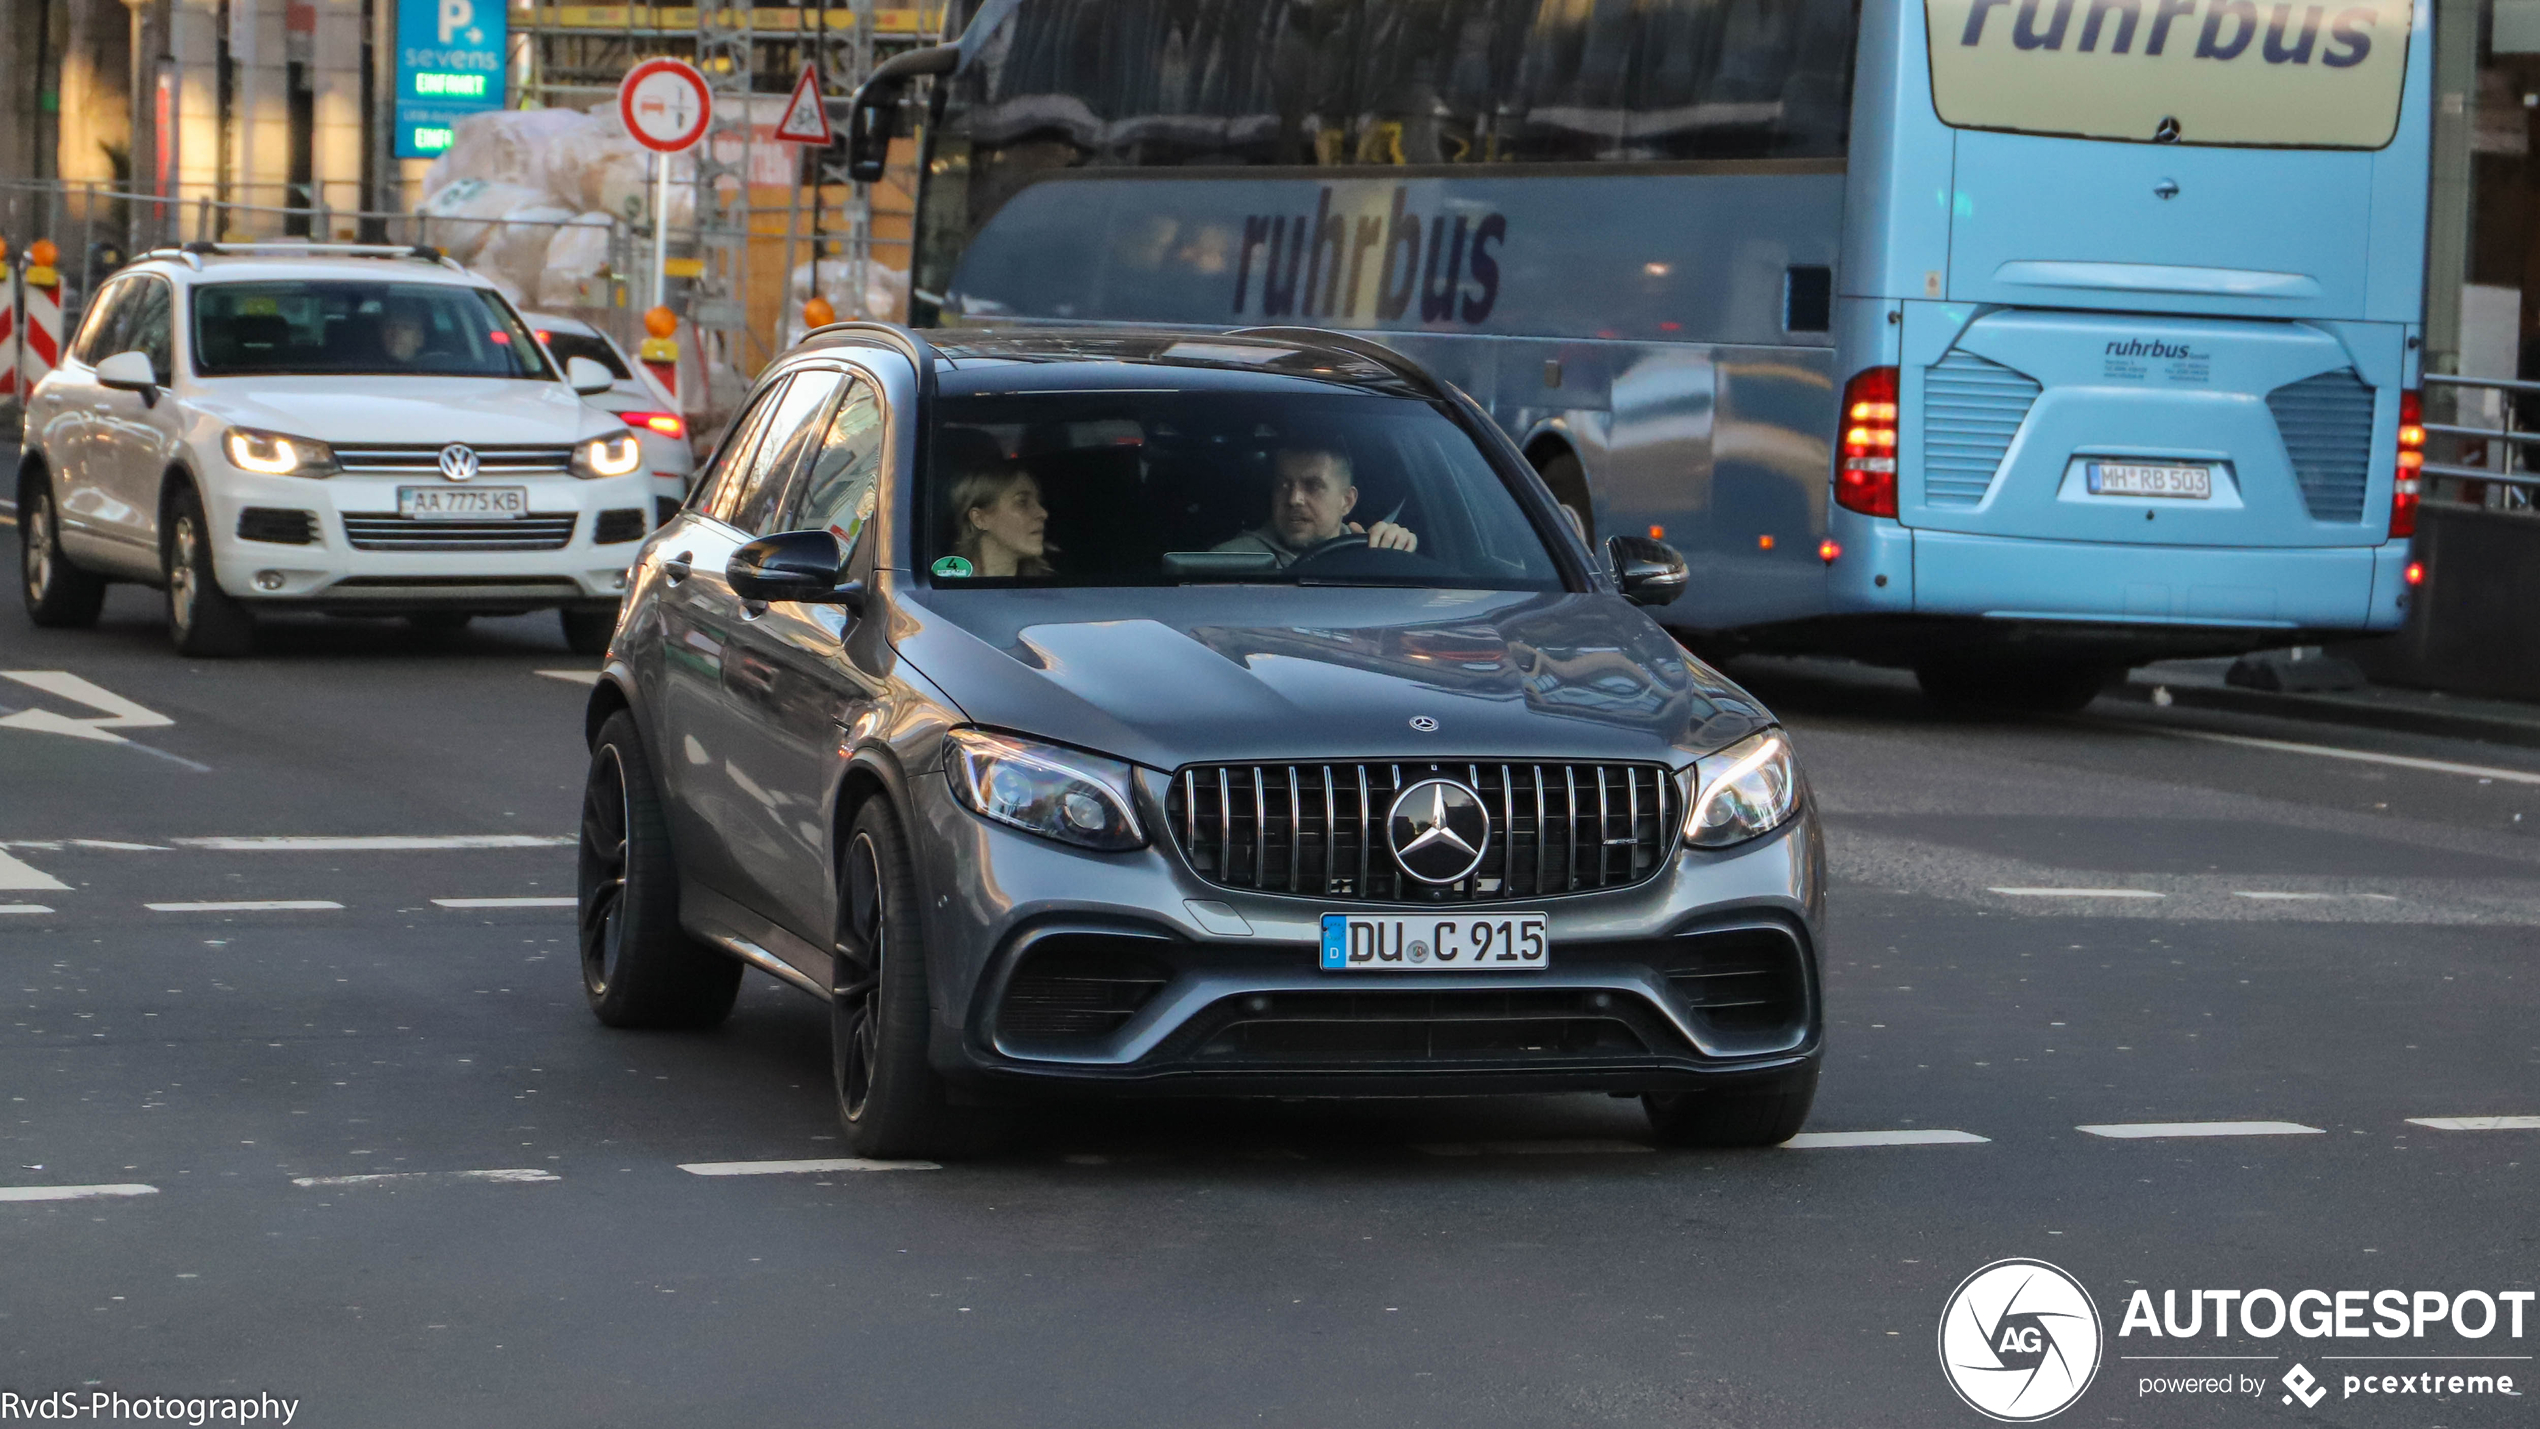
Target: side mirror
(581, 373)
(1650, 572)
(794, 565)
(873, 111)
(128, 372)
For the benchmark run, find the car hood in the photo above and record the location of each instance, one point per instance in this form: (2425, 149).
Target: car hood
(1170, 677)
(405, 409)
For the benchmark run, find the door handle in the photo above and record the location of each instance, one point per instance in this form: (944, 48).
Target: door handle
(677, 569)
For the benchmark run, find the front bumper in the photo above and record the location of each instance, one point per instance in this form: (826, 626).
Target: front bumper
(1054, 968)
(327, 571)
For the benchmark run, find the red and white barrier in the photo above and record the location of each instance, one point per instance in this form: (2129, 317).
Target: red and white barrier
(39, 319)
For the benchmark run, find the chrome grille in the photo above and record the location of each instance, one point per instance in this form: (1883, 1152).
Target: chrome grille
(2326, 423)
(414, 459)
(396, 533)
(1319, 829)
(1972, 408)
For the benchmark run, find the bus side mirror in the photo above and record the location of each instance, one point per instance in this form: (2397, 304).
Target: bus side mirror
(873, 112)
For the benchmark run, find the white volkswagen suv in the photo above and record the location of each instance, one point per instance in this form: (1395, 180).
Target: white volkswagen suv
(345, 429)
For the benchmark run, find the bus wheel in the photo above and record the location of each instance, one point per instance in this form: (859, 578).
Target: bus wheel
(2026, 685)
(1568, 481)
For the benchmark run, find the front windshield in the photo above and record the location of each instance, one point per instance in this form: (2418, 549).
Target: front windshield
(1134, 488)
(359, 328)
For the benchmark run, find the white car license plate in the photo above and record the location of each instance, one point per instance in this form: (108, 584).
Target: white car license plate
(1436, 943)
(466, 503)
(2126, 478)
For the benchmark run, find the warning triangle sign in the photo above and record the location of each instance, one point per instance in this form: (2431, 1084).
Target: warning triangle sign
(806, 121)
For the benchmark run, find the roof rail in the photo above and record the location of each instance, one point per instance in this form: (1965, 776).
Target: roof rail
(196, 251)
(919, 352)
(1376, 352)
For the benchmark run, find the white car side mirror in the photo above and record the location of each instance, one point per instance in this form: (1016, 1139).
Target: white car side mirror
(586, 377)
(128, 372)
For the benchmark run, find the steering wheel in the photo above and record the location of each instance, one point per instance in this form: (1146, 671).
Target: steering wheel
(1345, 541)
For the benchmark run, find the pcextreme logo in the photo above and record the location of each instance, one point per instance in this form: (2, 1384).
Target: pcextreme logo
(2020, 1341)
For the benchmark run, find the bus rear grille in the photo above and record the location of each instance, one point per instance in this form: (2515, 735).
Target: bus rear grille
(1320, 828)
(2326, 423)
(1972, 408)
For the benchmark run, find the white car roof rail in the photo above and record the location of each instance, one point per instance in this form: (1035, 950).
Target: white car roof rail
(194, 253)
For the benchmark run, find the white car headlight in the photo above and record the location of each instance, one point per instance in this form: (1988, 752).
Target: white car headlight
(613, 455)
(1745, 791)
(272, 454)
(1060, 794)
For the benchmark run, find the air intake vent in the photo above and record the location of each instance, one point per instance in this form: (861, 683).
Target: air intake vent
(1971, 409)
(2326, 423)
(618, 524)
(279, 525)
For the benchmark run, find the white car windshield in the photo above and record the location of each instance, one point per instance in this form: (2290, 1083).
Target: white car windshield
(310, 327)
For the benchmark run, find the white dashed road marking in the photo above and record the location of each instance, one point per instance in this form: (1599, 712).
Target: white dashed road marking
(505, 903)
(272, 905)
(2275, 897)
(376, 843)
(2477, 1123)
(17, 873)
(1816, 1140)
(118, 712)
(2077, 892)
(800, 1168)
(2138, 1130)
(24, 908)
(71, 1193)
(390, 1178)
(571, 677)
(2362, 756)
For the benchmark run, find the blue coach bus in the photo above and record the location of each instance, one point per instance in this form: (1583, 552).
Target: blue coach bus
(2014, 341)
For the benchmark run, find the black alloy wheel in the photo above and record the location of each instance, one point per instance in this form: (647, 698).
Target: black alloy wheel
(891, 1102)
(204, 620)
(639, 967)
(1760, 1113)
(59, 595)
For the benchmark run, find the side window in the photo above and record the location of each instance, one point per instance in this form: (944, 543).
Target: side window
(794, 425)
(716, 487)
(837, 491)
(147, 329)
(90, 345)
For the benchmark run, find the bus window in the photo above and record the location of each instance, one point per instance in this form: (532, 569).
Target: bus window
(2228, 72)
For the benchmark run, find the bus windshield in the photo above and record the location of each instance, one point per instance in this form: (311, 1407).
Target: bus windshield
(2222, 72)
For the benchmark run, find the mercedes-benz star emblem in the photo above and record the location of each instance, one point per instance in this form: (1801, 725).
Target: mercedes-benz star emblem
(1424, 724)
(1439, 829)
(458, 462)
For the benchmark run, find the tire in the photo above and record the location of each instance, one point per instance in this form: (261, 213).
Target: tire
(587, 632)
(891, 1103)
(59, 595)
(2028, 686)
(1568, 481)
(203, 620)
(1764, 1113)
(639, 967)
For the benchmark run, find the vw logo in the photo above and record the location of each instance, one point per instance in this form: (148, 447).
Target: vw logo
(458, 462)
(1438, 829)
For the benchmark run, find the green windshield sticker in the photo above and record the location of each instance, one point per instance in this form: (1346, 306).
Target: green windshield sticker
(952, 566)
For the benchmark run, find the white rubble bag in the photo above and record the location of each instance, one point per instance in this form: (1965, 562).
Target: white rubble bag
(575, 256)
(517, 252)
(463, 214)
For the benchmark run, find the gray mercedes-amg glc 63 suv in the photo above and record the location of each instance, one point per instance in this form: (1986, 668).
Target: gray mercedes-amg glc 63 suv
(1152, 712)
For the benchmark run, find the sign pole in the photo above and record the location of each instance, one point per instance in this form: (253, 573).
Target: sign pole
(661, 224)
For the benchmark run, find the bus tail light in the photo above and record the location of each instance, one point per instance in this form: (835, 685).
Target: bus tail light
(1866, 481)
(2408, 478)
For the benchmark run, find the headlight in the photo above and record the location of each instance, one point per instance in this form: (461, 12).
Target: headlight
(1742, 792)
(613, 455)
(1057, 793)
(276, 455)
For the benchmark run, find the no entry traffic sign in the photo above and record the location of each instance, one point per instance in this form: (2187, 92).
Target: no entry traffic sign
(664, 104)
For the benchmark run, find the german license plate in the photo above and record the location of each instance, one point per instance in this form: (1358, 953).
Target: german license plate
(468, 503)
(2127, 478)
(1426, 942)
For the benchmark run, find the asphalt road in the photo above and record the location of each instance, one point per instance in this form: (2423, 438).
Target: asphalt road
(1460, 1263)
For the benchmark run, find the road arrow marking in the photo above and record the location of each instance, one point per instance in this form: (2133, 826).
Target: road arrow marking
(16, 874)
(120, 713)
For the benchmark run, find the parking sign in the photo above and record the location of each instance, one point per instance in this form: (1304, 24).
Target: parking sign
(449, 66)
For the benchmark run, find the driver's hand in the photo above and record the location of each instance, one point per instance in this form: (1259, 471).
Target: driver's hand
(1386, 536)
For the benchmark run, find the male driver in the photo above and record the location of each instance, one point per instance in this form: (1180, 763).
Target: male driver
(401, 333)
(1310, 502)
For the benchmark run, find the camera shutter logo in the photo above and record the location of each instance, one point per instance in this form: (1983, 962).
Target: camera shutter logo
(458, 462)
(2020, 1341)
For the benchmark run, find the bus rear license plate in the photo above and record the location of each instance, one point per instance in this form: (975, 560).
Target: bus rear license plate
(1430, 943)
(2114, 478)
